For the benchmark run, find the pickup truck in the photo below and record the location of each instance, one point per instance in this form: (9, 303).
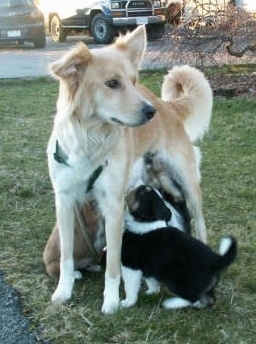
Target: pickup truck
(103, 19)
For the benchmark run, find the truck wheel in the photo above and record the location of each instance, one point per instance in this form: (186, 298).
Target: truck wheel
(40, 42)
(101, 31)
(57, 32)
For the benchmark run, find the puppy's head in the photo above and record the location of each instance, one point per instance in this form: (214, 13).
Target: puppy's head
(146, 204)
(102, 82)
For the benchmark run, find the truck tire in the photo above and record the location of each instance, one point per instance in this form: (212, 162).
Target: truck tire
(39, 41)
(101, 31)
(57, 32)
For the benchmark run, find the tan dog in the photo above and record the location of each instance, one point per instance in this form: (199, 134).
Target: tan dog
(105, 121)
(87, 255)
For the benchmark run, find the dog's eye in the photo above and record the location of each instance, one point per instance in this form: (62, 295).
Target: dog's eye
(113, 83)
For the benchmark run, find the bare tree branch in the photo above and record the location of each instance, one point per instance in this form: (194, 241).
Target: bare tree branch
(211, 28)
(249, 47)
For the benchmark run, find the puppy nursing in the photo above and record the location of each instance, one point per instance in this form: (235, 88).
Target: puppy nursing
(154, 249)
(105, 121)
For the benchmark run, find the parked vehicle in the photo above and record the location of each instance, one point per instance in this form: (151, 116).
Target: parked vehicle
(103, 19)
(21, 21)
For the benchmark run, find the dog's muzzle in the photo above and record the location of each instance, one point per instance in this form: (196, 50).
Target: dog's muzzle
(146, 113)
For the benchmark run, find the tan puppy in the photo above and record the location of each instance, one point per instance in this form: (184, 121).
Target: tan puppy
(85, 257)
(105, 121)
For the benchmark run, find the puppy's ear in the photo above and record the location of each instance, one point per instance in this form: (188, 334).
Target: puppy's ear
(71, 67)
(168, 214)
(133, 45)
(164, 213)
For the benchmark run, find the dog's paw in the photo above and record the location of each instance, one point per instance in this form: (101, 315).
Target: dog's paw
(109, 306)
(60, 296)
(66, 282)
(152, 292)
(111, 294)
(126, 303)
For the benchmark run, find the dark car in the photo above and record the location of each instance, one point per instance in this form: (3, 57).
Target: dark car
(103, 19)
(21, 21)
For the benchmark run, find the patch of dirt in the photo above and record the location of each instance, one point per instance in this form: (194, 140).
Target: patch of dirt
(234, 85)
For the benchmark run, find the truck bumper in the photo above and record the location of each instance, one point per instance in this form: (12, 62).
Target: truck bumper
(132, 21)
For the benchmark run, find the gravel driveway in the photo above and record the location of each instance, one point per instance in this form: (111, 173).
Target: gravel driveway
(14, 326)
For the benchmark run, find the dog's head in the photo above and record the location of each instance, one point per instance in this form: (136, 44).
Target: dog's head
(102, 82)
(146, 204)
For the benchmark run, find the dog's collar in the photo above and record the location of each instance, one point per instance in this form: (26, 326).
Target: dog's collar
(59, 155)
(94, 176)
(61, 158)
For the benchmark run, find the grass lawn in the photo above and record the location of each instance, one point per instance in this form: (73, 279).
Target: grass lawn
(27, 215)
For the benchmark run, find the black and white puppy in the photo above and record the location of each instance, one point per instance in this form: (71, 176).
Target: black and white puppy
(161, 253)
(142, 175)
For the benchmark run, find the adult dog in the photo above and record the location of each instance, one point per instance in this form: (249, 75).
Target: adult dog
(105, 121)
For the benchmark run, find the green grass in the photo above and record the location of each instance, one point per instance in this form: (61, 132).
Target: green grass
(27, 215)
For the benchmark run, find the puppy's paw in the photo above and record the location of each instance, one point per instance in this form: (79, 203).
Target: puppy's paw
(152, 291)
(77, 275)
(153, 286)
(199, 305)
(126, 303)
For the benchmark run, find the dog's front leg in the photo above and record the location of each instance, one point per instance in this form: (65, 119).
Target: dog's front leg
(113, 229)
(65, 220)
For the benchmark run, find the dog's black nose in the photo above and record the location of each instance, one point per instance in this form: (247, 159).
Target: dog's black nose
(149, 111)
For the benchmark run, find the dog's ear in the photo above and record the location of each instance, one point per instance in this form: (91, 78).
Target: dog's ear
(161, 210)
(133, 45)
(71, 67)
(167, 214)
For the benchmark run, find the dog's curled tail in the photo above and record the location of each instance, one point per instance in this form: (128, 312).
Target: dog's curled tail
(188, 90)
(227, 252)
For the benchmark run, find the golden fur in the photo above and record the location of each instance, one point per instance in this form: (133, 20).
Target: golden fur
(105, 118)
(84, 257)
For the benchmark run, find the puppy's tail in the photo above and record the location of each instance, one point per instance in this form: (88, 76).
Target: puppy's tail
(188, 90)
(227, 253)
